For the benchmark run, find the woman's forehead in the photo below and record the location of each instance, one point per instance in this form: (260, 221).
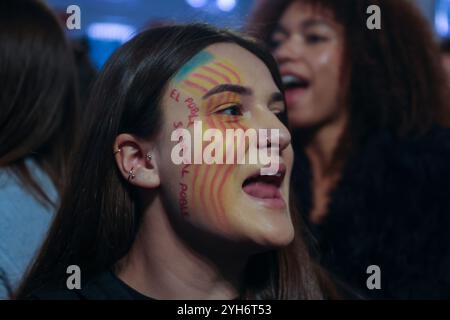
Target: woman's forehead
(301, 10)
(222, 63)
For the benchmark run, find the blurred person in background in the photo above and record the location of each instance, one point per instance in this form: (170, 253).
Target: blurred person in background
(38, 116)
(367, 111)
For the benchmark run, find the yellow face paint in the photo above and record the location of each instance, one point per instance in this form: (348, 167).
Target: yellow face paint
(207, 184)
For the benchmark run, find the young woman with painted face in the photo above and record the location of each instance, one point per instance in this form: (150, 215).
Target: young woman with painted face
(372, 165)
(140, 226)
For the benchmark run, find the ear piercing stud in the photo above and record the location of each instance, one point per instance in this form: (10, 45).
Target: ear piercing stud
(131, 174)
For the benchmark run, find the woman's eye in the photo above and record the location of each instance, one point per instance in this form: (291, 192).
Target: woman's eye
(275, 41)
(274, 44)
(314, 38)
(233, 110)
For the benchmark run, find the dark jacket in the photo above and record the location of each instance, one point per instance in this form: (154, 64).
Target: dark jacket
(391, 209)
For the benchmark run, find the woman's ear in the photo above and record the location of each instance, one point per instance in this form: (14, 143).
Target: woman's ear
(135, 161)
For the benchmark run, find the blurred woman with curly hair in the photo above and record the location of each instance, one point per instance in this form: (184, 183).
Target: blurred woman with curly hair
(367, 114)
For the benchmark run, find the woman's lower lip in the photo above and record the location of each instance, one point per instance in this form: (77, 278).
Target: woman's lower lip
(271, 203)
(294, 95)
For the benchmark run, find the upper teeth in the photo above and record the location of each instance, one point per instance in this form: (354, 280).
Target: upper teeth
(276, 174)
(290, 79)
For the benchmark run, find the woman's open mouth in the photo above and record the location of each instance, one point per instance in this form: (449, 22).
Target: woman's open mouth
(294, 87)
(266, 189)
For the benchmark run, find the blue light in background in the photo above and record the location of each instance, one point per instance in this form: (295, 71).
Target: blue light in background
(197, 3)
(442, 18)
(111, 31)
(226, 5)
(105, 37)
(107, 24)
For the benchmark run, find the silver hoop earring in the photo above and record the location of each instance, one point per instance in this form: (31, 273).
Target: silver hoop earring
(149, 156)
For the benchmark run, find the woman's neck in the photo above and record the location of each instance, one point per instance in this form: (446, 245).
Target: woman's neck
(321, 149)
(322, 145)
(162, 265)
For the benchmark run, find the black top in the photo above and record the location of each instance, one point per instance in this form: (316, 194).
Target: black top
(391, 208)
(105, 286)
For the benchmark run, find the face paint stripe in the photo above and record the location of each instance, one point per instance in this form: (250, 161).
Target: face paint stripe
(225, 72)
(212, 187)
(237, 126)
(240, 126)
(196, 175)
(230, 147)
(214, 194)
(226, 176)
(220, 213)
(218, 78)
(210, 122)
(194, 183)
(189, 90)
(230, 70)
(210, 175)
(206, 78)
(228, 96)
(211, 104)
(199, 59)
(217, 73)
(194, 85)
(205, 173)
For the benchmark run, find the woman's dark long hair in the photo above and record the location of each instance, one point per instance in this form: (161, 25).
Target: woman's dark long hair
(38, 96)
(97, 221)
(393, 76)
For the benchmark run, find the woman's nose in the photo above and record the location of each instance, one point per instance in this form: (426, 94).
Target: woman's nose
(284, 137)
(277, 136)
(289, 49)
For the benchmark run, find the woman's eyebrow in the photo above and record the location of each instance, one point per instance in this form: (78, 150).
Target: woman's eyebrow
(313, 22)
(303, 25)
(279, 29)
(228, 88)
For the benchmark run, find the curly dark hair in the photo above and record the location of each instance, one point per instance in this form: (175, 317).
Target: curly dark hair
(394, 79)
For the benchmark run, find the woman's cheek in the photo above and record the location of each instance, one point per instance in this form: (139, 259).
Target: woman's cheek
(212, 184)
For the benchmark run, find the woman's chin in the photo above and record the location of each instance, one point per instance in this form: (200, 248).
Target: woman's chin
(275, 236)
(302, 120)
